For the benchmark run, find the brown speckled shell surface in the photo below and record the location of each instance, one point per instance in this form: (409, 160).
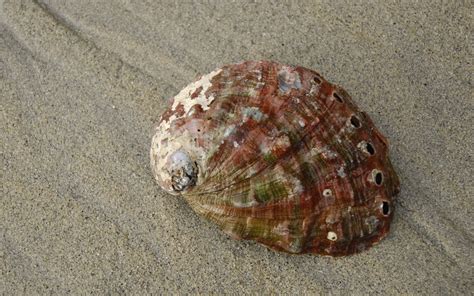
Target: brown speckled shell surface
(277, 154)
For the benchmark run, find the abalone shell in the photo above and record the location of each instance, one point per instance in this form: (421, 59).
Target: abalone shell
(277, 154)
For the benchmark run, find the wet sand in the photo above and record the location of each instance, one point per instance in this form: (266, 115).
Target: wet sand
(82, 85)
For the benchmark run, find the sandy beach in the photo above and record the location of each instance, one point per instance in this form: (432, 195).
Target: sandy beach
(83, 83)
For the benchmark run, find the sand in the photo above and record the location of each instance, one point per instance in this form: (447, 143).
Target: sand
(83, 82)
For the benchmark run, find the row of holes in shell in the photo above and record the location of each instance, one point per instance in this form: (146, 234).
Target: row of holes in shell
(354, 121)
(366, 147)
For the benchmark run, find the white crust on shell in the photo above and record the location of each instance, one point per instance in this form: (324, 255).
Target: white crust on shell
(165, 143)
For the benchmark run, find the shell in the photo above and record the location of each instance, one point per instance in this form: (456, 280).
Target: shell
(277, 154)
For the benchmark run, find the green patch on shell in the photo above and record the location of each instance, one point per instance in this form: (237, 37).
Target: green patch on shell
(272, 190)
(270, 158)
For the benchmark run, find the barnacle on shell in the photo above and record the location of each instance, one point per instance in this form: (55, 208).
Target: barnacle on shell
(276, 154)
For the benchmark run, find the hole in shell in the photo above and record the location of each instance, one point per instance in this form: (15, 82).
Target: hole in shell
(317, 79)
(385, 208)
(332, 236)
(199, 130)
(366, 147)
(370, 149)
(338, 97)
(378, 177)
(327, 192)
(355, 121)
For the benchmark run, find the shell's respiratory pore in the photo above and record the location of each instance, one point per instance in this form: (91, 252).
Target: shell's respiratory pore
(277, 154)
